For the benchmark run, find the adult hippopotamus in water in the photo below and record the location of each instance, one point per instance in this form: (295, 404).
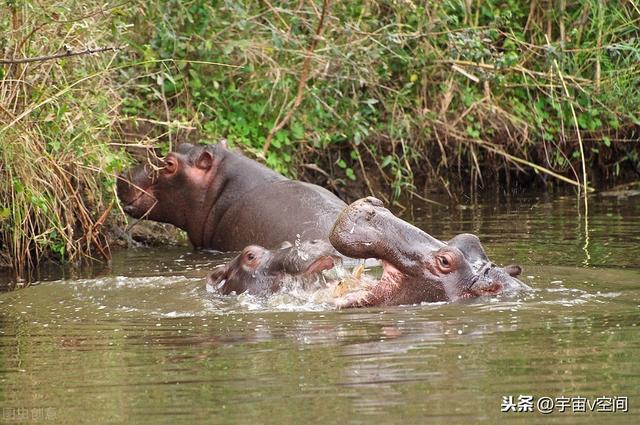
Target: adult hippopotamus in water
(226, 201)
(416, 266)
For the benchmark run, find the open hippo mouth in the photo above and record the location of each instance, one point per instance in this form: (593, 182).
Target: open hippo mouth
(416, 266)
(259, 271)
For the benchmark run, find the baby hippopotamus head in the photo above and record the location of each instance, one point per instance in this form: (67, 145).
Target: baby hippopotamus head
(260, 271)
(416, 266)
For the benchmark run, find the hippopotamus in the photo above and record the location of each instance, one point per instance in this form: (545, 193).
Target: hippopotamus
(226, 201)
(416, 266)
(260, 271)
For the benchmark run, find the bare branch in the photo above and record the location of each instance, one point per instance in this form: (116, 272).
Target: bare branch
(66, 54)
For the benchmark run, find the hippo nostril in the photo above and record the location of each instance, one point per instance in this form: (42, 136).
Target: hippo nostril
(473, 281)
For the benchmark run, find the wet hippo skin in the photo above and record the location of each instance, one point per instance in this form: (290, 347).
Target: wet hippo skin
(260, 271)
(225, 201)
(416, 266)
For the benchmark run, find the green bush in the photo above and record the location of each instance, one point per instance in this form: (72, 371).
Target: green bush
(57, 166)
(409, 87)
(394, 94)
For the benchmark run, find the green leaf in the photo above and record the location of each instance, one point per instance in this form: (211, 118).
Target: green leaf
(350, 174)
(386, 161)
(583, 121)
(473, 132)
(371, 102)
(297, 131)
(18, 187)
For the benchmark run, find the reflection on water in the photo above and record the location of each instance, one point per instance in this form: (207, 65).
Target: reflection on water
(144, 342)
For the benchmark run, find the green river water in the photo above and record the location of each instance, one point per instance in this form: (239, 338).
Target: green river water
(142, 341)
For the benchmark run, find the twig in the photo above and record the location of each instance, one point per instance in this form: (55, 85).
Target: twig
(174, 124)
(304, 75)
(599, 45)
(465, 73)
(166, 110)
(275, 12)
(362, 168)
(516, 68)
(424, 199)
(578, 133)
(563, 11)
(66, 54)
(93, 231)
(499, 151)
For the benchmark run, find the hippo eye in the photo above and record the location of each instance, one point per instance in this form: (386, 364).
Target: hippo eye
(445, 262)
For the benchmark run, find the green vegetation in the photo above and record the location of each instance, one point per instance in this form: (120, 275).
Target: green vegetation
(56, 125)
(385, 96)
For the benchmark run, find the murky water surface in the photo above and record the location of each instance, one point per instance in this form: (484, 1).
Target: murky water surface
(143, 342)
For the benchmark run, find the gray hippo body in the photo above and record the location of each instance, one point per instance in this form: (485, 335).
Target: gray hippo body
(225, 201)
(416, 266)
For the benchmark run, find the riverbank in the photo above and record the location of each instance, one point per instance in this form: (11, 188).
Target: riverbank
(389, 98)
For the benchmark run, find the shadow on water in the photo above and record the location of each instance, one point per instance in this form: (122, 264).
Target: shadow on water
(144, 342)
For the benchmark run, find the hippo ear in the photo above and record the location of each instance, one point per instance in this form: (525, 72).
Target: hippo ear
(513, 270)
(205, 160)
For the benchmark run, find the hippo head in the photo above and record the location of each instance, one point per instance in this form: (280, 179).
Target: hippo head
(416, 266)
(260, 271)
(175, 190)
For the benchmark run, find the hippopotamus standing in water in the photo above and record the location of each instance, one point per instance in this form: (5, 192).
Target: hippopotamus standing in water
(416, 266)
(225, 201)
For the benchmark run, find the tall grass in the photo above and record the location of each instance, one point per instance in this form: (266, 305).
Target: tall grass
(56, 116)
(404, 91)
(392, 97)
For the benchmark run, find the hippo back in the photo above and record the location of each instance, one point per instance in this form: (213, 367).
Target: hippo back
(275, 212)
